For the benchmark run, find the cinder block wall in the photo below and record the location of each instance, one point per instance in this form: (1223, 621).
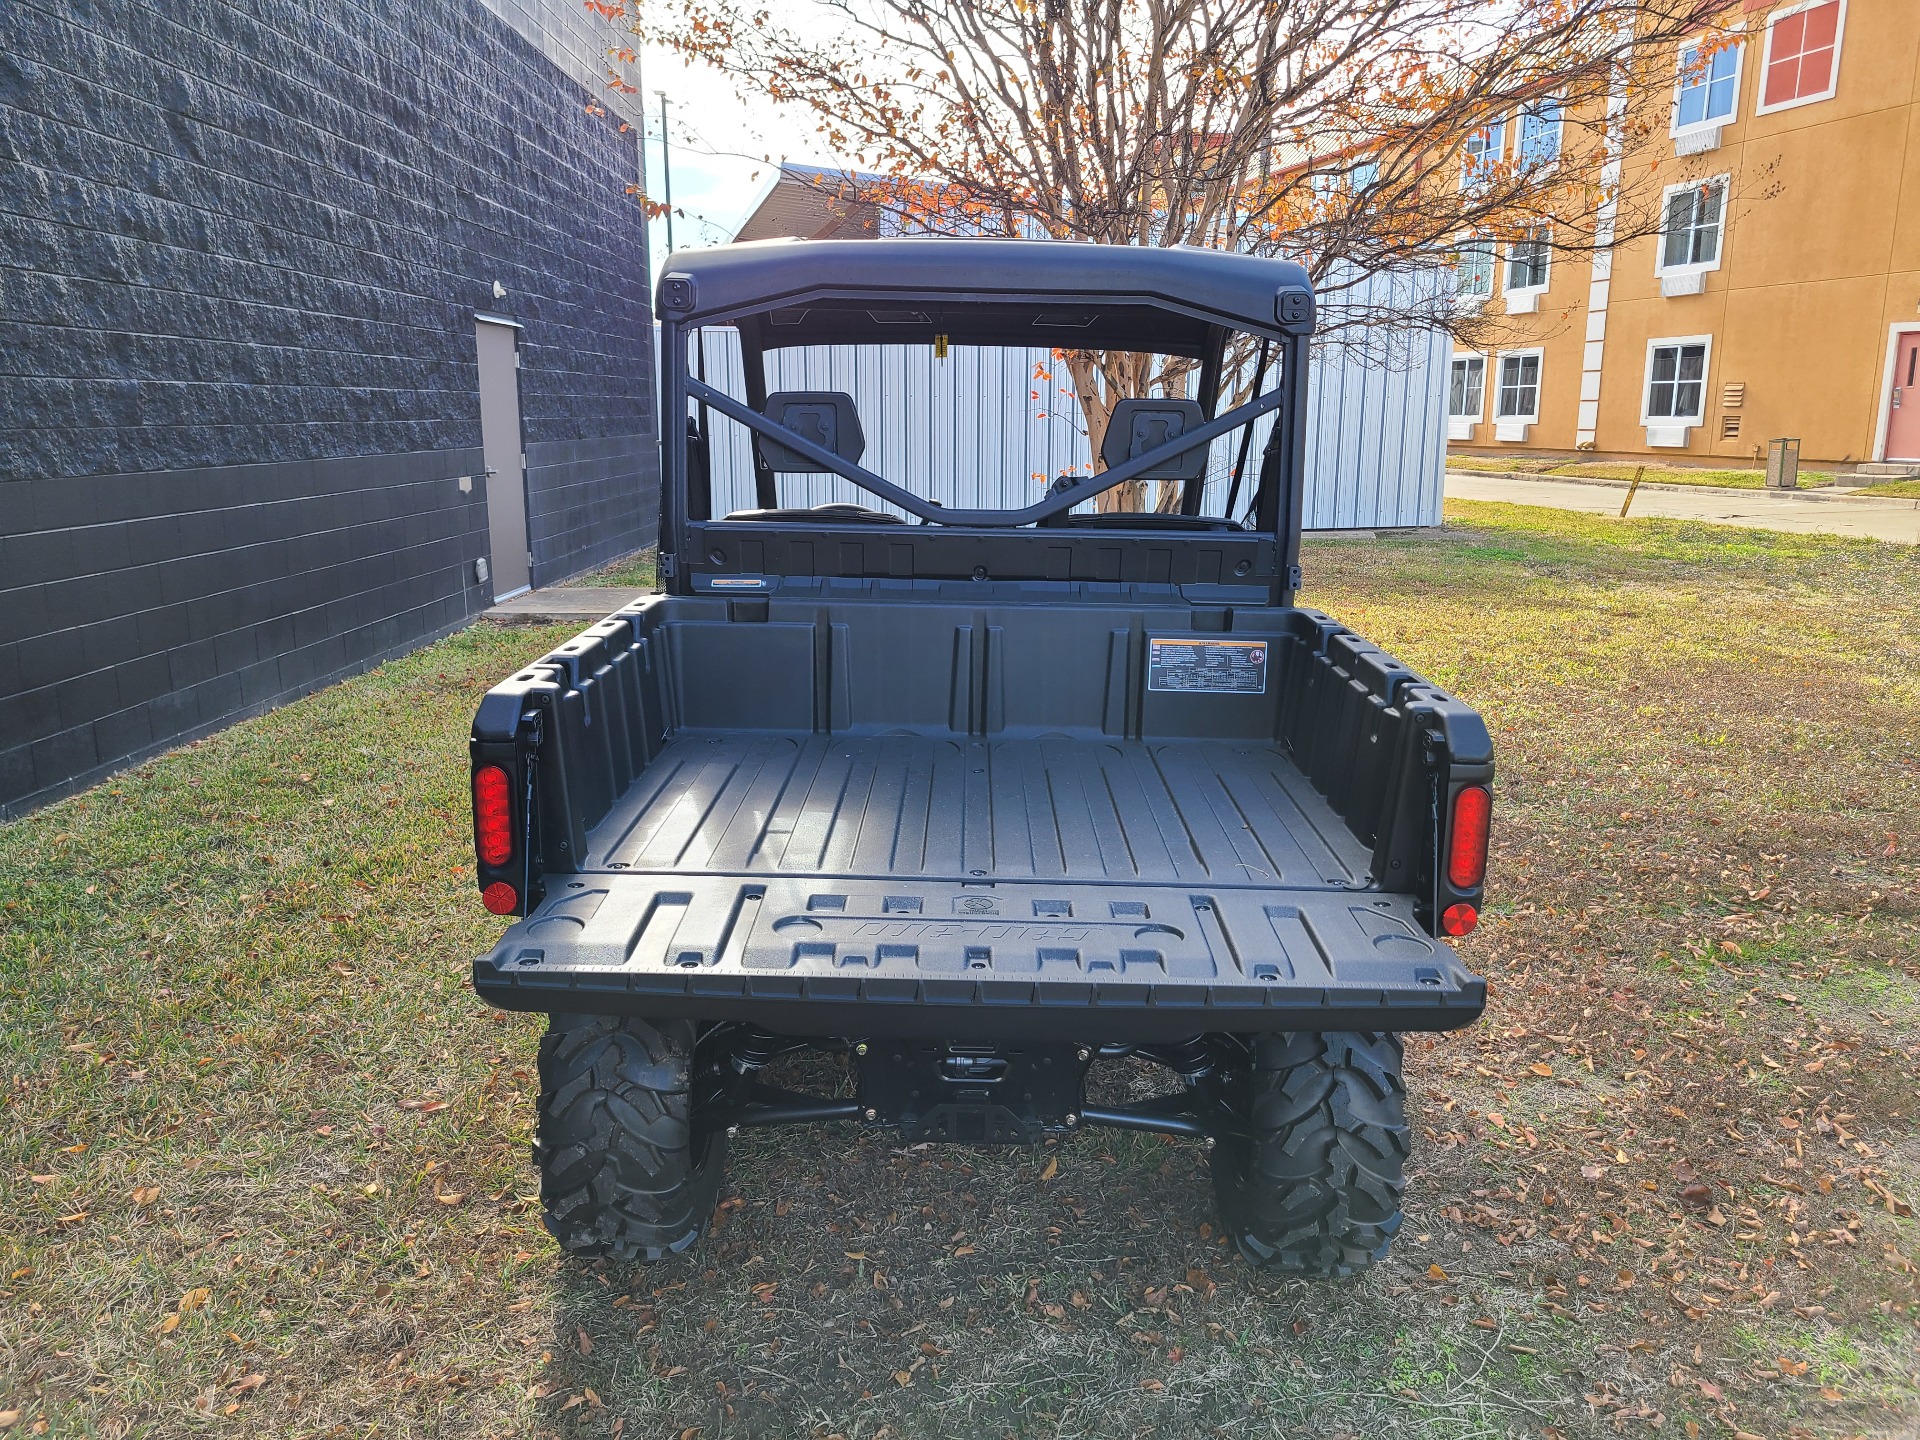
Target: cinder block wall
(241, 247)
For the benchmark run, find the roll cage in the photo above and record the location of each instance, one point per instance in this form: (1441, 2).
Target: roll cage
(1179, 302)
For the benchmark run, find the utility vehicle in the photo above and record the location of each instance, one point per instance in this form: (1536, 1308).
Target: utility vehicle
(978, 791)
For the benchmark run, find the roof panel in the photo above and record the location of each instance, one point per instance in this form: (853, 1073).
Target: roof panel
(1225, 288)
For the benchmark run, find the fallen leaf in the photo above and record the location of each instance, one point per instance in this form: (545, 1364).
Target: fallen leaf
(8, 1419)
(903, 1378)
(170, 1324)
(1053, 1169)
(451, 1197)
(1540, 1069)
(583, 1340)
(146, 1194)
(1696, 1196)
(194, 1299)
(1790, 1367)
(246, 1383)
(1152, 1386)
(1434, 1272)
(1593, 1172)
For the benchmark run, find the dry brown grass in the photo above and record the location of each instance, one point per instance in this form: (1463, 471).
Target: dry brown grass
(1660, 1188)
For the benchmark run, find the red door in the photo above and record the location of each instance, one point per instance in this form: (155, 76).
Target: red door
(1903, 406)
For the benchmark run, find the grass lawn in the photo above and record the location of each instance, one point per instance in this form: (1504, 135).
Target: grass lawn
(264, 1156)
(1624, 469)
(635, 571)
(1905, 489)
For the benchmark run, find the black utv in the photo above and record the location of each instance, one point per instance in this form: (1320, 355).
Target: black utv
(979, 795)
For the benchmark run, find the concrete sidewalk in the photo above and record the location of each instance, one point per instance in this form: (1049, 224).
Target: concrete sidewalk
(1865, 517)
(585, 603)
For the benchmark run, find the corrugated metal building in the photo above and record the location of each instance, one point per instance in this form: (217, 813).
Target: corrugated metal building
(994, 427)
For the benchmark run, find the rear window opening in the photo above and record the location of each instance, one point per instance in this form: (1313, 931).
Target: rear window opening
(930, 401)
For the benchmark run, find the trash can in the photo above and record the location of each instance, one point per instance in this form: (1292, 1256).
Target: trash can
(1783, 464)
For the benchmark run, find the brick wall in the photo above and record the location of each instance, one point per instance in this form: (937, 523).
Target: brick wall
(241, 247)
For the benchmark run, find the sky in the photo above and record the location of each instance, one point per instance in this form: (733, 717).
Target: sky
(719, 138)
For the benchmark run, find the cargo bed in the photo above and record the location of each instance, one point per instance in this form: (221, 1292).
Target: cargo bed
(1059, 883)
(912, 805)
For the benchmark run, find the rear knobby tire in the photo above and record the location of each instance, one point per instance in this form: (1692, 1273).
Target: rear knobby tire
(623, 1174)
(1315, 1187)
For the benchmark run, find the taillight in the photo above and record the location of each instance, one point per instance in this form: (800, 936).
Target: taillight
(1467, 839)
(501, 898)
(493, 817)
(1458, 920)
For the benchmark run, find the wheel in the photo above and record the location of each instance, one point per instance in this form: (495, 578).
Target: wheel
(1315, 1186)
(622, 1172)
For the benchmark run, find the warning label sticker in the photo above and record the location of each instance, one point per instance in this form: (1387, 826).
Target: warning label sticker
(1216, 666)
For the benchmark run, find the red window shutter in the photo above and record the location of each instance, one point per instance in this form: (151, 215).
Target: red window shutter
(1800, 61)
(1783, 66)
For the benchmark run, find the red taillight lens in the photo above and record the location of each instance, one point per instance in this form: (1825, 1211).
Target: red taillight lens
(1457, 920)
(501, 898)
(493, 815)
(1467, 842)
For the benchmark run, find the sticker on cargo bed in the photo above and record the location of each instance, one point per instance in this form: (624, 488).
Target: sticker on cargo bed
(1232, 667)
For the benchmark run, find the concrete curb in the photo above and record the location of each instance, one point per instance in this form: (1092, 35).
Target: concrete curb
(1825, 494)
(585, 603)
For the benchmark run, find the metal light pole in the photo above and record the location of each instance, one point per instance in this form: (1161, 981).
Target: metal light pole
(666, 167)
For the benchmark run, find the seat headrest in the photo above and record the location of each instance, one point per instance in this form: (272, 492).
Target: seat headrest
(826, 417)
(1138, 426)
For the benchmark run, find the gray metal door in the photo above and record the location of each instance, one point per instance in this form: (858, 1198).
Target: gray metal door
(500, 440)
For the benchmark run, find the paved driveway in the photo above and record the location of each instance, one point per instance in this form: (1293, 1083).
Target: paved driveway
(1870, 519)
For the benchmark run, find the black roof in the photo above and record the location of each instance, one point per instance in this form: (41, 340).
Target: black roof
(984, 291)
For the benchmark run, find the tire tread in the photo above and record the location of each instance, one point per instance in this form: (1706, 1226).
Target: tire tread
(614, 1142)
(1316, 1189)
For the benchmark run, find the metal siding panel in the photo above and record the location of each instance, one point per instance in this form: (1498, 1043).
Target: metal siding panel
(969, 428)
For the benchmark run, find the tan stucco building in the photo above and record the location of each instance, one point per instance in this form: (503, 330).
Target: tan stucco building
(1782, 296)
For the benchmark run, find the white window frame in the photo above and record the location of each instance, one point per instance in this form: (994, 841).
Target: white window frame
(1497, 137)
(1674, 127)
(1760, 106)
(1492, 249)
(1646, 381)
(1545, 237)
(1481, 413)
(1519, 123)
(1540, 382)
(1692, 267)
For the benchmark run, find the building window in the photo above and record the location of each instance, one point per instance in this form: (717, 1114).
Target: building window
(1692, 228)
(1540, 127)
(1802, 60)
(1708, 91)
(1527, 262)
(1485, 147)
(1358, 176)
(1473, 268)
(1518, 397)
(1676, 381)
(1466, 389)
